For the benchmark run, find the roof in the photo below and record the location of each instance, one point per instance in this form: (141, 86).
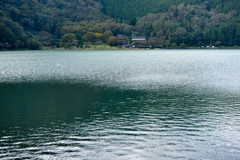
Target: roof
(138, 38)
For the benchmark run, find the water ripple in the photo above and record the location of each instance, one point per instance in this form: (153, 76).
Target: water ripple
(120, 105)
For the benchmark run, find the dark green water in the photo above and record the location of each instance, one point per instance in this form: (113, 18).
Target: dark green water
(166, 104)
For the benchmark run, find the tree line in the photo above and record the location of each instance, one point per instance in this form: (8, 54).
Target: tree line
(34, 24)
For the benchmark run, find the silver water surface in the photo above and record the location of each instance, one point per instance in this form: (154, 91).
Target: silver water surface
(163, 104)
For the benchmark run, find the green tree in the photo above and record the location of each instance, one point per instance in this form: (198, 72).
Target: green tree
(182, 45)
(68, 40)
(113, 41)
(90, 37)
(7, 37)
(99, 36)
(34, 44)
(106, 36)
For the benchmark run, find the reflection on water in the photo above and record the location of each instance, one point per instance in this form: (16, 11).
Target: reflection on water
(120, 105)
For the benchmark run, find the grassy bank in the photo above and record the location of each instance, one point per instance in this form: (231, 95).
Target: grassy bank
(85, 47)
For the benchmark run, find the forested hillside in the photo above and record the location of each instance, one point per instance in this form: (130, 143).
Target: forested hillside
(193, 25)
(131, 9)
(34, 24)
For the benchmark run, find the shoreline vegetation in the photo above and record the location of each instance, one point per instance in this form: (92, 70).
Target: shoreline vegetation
(107, 47)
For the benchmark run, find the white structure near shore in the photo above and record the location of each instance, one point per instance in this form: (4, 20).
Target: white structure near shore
(138, 39)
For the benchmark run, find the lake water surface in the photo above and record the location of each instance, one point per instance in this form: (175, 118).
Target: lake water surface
(131, 104)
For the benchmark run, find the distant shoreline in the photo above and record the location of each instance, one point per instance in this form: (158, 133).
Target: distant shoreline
(119, 48)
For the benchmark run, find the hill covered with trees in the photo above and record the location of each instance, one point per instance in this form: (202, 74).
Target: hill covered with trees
(130, 9)
(193, 25)
(34, 24)
(61, 23)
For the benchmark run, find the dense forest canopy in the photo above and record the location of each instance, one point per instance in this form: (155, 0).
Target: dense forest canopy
(35, 24)
(130, 9)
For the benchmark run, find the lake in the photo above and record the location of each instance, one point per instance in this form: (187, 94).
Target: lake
(121, 104)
